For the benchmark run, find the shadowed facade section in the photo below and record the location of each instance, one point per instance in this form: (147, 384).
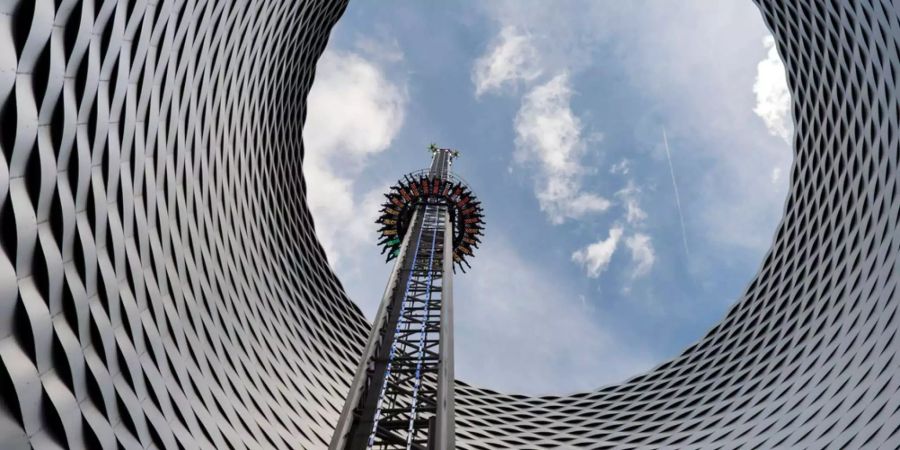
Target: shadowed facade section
(161, 285)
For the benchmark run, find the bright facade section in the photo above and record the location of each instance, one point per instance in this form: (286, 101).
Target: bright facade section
(161, 284)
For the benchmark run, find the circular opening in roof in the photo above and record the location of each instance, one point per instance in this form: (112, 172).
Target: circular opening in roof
(632, 160)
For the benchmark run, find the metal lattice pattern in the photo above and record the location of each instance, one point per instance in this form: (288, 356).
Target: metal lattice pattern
(160, 281)
(409, 394)
(161, 285)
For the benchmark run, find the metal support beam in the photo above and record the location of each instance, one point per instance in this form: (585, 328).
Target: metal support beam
(442, 436)
(376, 348)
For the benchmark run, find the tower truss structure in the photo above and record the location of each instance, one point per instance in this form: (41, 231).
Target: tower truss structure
(402, 395)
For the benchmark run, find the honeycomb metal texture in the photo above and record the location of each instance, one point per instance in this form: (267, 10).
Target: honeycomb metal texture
(160, 280)
(161, 285)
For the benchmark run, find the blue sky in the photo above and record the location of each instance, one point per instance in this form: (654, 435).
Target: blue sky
(592, 269)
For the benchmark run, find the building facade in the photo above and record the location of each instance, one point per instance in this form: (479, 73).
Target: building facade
(161, 284)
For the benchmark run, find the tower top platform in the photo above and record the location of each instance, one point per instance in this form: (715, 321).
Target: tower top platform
(434, 186)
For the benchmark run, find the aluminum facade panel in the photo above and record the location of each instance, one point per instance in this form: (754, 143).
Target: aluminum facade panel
(161, 285)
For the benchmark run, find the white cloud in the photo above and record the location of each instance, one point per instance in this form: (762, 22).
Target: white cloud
(776, 174)
(549, 135)
(621, 168)
(353, 109)
(510, 59)
(773, 100)
(354, 112)
(383, 48)
(508, 333)
(634, 214)
(691, 58)
(577, 206)
(596, 257)
(641, 253)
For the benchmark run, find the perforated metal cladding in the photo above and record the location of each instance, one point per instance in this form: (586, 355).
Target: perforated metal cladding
(808, 357)
(161, 284)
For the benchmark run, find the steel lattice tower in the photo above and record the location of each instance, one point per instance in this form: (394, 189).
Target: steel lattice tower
(402, 394)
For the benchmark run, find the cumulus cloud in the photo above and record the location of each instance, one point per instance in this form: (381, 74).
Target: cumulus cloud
(353, 109)
(641, 253)
(634, 214)
(595, 258)
(709, 105)
(773, 100)
(511, 58)
(640, 244)
(354, 112)
(549, 135)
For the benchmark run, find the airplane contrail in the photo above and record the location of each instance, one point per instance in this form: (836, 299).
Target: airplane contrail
(677, 197)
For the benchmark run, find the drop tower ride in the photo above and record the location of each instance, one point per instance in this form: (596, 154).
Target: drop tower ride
(402, 394)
